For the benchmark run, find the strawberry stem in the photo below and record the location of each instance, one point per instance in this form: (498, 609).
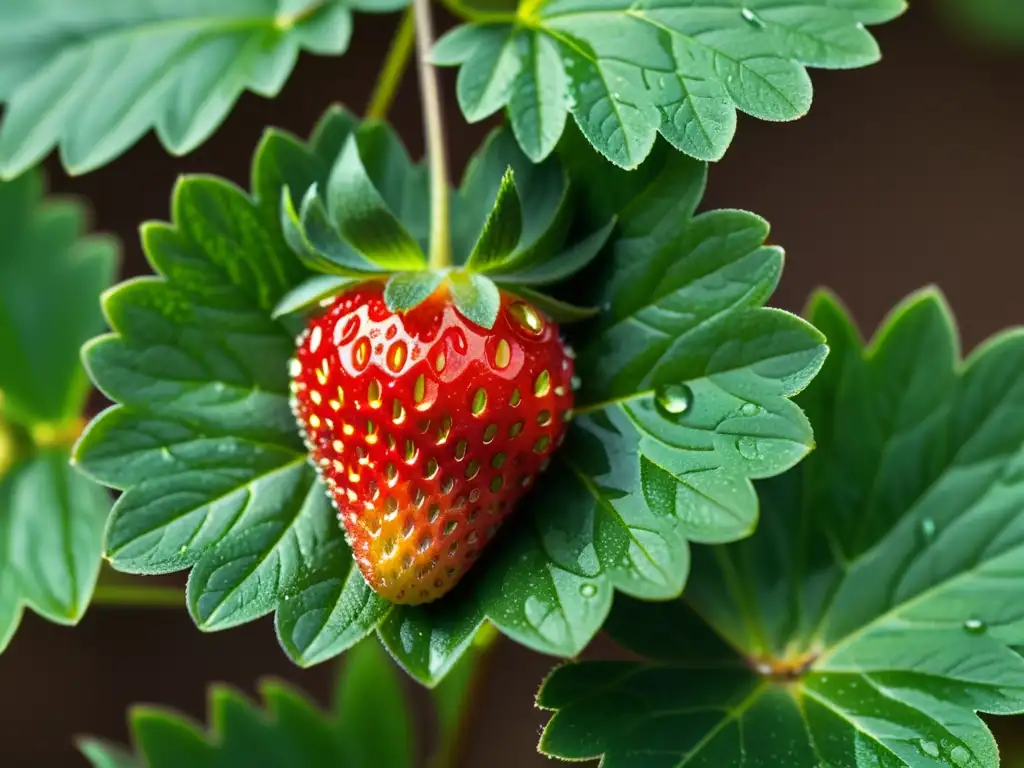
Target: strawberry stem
(433, 124)
(138, 596)
(392, 72)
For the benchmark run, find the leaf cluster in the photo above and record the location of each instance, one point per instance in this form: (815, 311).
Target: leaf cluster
(215, 478)
(51, 518)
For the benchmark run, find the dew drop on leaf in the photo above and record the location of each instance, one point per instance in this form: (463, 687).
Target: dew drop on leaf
(960, 755)
(750, 409)
(748, 448)
(974, 626)
(588, 590)
(752, 18)
(674, 399)
(929, 748)
(928, 529)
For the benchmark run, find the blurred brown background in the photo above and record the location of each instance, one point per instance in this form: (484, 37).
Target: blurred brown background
(906, 173)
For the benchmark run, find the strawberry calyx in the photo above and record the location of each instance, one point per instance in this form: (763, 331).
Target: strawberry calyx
(347, 232)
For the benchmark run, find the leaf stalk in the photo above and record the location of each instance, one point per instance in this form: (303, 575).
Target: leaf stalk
(393, 71)
(138, 596)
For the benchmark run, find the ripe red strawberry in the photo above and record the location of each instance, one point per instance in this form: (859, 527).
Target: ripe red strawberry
(427, 428)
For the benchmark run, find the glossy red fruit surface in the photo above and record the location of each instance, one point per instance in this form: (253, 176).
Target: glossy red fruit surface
(427, 428)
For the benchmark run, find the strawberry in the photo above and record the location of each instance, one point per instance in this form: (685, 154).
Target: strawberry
(427, 428)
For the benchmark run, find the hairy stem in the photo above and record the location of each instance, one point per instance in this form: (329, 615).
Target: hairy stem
(433, 125)
(390, 77)
(138, 596)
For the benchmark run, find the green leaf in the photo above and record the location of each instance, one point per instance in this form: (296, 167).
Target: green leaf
(370, 707)
(485, 83)
(476, 297)
(102, 754)
(51, 518)
(538, 103)
(363, 216)
(288, 731)
(51, 528)
(406, 290)
(502, 229)
(628, 72)
(95, 81)
(876, 609)
(50, 276)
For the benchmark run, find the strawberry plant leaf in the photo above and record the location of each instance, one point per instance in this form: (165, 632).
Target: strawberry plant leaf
(51, 518)
(51, 529)
(502, 229)
(288, 730)
(628, 72)
(877, 632)
(363, 216)
(95, 81)
(102, 754)
(537, 105)
(215, 478)
(50, 276)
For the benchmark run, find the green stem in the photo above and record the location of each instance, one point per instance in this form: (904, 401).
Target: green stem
(137, 596)
(433, 125)
(397, 59)
(456, 699)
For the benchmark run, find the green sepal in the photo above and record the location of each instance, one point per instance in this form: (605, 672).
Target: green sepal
(364, 218)
(406, 290)
(322, 236)
(565, 265)
(544, 198)
(476, 297)
(310, 293)
(326, 256)
(502, 229)
(558, 310)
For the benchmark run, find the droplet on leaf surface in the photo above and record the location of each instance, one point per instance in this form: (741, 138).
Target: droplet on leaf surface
(929, 748)
(752, 18)
(674, 399)
(974, 626)
(960, 755)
